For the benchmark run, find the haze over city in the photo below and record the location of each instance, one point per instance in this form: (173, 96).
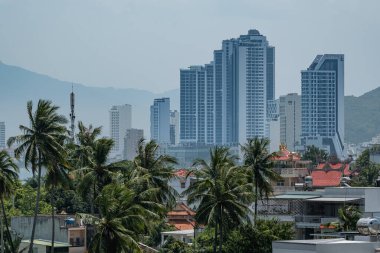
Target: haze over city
(142, 44)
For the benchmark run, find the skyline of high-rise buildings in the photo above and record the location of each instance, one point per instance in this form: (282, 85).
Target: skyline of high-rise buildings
(322, 95)
(120, 117)
(225, 102)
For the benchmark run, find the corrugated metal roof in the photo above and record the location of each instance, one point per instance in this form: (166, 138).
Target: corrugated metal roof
(323, 199)
(295, 196)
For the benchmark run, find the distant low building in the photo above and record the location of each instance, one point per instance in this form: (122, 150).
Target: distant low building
(291, 169)
(69, 232)
(181, 217)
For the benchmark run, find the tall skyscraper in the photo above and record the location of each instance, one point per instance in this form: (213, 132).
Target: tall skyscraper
(174, 127)
(120, 121)
(323, 104)
(131, 140)
(225, 102)
(160, 120)
(2, 135)
(197, 105)
(290, 120)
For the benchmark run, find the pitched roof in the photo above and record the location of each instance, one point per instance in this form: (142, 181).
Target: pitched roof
(323, 178)
(327, 174)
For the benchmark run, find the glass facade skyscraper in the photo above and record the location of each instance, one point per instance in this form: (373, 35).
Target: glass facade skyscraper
(160, 120)
(322, 101)
(225, 102)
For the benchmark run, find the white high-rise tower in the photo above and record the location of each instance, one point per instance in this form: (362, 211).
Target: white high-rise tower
(323, 104)
(160, 120)
(120, 121)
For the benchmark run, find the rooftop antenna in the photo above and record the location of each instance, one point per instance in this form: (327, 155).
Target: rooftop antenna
(72, 114)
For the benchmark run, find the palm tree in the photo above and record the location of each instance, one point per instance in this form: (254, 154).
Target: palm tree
(98, 173)
(57, 176)
(8, 177)
(222, 191)
(121, 220)
(258, 161)
(39, 142)
(315, 154)
(153, 171)
(83, 151)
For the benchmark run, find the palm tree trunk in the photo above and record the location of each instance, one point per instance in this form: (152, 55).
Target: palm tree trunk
(6, 225)
(93, 201)
(36, 210)
(221, 230)
(215, 236)
(256, 199)
(53, 221)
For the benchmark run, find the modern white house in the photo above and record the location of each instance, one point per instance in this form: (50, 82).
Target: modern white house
(311, 209)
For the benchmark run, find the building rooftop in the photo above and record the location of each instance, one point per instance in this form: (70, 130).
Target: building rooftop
(48, 243)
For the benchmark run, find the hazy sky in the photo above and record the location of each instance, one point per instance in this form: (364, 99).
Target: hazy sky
(143, 43)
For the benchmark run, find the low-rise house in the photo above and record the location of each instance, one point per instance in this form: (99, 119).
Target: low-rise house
(68, 231)
(186, 236)
(324, 246)
(181, 217)
(291, 169)
(310, 209)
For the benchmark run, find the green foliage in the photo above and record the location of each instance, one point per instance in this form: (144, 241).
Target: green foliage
(24, 199)
(154, 238)
(68, 201)
(259, 163)
(248, 238)
(258, 238)
(368, 171)
(315, 155)
(349, 216)
(174, 246)
(122, 219)
(222, 191)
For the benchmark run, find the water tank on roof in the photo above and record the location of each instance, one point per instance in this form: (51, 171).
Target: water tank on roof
(309, 182)
(368, 226)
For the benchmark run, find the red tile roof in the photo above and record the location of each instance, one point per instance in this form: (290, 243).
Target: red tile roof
(326, 178)
(182, 173)
(326, 174)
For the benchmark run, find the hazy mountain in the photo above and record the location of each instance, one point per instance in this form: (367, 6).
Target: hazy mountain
(18, 85)
(362, 114)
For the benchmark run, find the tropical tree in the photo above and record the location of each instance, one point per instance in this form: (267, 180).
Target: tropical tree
(40, 142)
(57, 176)
(8, 179)
(153, 171)
(82, 152)
(121, 220)
(222, 192)
(315, 155)
(349, 216)
(258, 161)
(98, 173)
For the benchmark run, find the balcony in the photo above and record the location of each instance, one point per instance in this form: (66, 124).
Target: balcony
(312, 221)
